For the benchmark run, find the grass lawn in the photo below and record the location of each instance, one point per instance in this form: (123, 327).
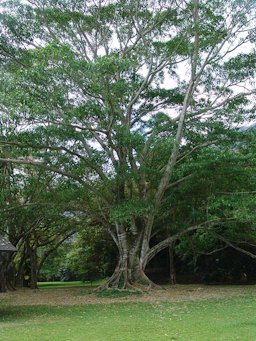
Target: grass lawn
(56, 285)
(207, 320)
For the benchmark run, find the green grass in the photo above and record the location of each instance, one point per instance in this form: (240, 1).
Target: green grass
(57, 285)
(207, 320)
(118, 293)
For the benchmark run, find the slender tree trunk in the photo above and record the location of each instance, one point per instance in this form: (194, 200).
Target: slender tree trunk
(10, 273)
(33, 266)
(172, 273)
(33, 271)
(19, 279)
(3, 287)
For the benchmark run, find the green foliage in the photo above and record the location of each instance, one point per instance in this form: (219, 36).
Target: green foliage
(241, 66)
(90, 256)
(52, 269)
(126, 211)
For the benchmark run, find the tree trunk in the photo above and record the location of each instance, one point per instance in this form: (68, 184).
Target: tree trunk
(10, 273)
(130, 270)
(33, 270)
(3, 287)
(172, 273)
(33, 266)
(20, 271)
(129, 275)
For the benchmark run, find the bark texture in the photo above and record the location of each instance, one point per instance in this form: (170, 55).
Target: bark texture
(3, 286)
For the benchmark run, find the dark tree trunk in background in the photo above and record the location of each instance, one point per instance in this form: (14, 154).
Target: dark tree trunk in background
(33, 273)
(10, 275)
(20, 275)
(172, 273)
(3, 287)
(33, 266)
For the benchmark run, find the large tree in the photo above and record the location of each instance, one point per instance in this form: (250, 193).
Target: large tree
(117, 95)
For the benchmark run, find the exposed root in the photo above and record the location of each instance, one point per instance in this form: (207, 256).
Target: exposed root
(136, 281)
(142, 284)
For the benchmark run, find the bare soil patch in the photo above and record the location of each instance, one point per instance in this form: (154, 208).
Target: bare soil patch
(78, 296)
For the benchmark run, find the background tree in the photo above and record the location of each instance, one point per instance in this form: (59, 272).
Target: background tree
(36, 217)
(92, 255)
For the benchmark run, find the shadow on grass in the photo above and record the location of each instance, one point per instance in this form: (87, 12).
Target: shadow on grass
(24, 313)
(118, 293)
(11, 314)
(74, 284)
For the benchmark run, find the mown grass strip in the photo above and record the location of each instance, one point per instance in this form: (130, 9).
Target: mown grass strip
(220, 320)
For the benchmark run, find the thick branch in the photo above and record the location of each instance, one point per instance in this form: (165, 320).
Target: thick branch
(166, 242)
(44, 166)
(46, 254)
(205, 144)
(218, 236)
(181, 180)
